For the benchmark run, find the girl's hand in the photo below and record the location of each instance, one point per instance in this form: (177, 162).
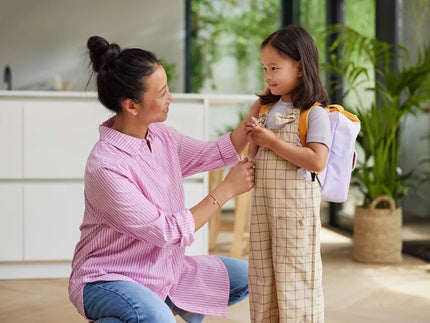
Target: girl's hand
(260, 136)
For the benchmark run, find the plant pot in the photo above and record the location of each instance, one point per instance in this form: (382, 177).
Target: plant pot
(377, 234)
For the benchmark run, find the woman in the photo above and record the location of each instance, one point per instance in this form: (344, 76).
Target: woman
(129, 265)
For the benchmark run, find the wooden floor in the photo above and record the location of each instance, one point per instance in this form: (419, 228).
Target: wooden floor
(36, 301)
(354, 292)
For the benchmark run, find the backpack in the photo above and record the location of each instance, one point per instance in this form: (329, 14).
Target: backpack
(335, 179)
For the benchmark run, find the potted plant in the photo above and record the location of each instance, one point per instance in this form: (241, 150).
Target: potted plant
(398, 88)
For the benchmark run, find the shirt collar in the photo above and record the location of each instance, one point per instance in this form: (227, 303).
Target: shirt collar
(129, 144)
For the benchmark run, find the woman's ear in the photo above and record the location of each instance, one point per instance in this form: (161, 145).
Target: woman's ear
(128, 107)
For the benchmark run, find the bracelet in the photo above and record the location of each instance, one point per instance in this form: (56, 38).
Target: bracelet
(215, 200)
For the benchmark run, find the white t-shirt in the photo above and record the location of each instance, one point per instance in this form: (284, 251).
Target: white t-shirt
(318, 122)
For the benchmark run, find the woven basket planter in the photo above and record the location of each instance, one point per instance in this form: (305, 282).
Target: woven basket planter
(378, 233)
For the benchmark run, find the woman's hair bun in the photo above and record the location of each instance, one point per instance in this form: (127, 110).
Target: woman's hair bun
(101, 52)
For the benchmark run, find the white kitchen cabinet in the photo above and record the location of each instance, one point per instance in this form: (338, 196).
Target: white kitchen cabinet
(53, 214)
(10, 139)
(58, 136)
(11, 222)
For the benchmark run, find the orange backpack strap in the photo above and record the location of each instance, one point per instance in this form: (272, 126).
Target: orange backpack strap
(339, 108)
(303, 123)
(264, 108)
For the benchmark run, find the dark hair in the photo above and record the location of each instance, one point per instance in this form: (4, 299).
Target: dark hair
(120, 73)
(296, 43)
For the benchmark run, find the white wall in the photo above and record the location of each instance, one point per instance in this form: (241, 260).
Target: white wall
(45, 40)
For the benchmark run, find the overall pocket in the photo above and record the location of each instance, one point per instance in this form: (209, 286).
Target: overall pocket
(290, 237)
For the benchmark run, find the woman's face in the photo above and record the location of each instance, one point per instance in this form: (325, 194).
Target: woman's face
(281, 73)
(155, 103)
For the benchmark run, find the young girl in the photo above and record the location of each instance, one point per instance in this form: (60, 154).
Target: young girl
(284, 254)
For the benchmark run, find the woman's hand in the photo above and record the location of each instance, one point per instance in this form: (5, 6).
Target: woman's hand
(240, 178)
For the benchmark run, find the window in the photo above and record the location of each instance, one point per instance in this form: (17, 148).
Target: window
(225, 44)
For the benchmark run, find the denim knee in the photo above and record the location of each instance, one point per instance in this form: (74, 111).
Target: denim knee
(237, 270)
(125, 301)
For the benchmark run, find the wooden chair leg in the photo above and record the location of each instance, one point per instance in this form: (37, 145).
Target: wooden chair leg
(214, 223)
(215, 177)
(241, 222)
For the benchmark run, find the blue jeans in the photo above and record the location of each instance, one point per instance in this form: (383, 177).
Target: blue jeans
(125, 301)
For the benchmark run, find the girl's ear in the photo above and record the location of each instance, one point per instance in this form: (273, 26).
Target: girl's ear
(128, 107)
(299, 69)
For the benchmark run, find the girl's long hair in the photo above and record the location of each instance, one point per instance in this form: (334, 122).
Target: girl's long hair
(296, 43)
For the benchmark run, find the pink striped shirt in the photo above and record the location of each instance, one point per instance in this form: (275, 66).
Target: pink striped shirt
(136, 226)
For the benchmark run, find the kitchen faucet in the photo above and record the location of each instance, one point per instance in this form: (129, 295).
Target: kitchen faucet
(7, 77)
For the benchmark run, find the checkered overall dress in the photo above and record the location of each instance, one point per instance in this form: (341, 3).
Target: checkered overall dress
(285, 270)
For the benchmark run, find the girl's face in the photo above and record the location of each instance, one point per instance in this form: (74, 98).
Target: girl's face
(281, 73)
(156, 99)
